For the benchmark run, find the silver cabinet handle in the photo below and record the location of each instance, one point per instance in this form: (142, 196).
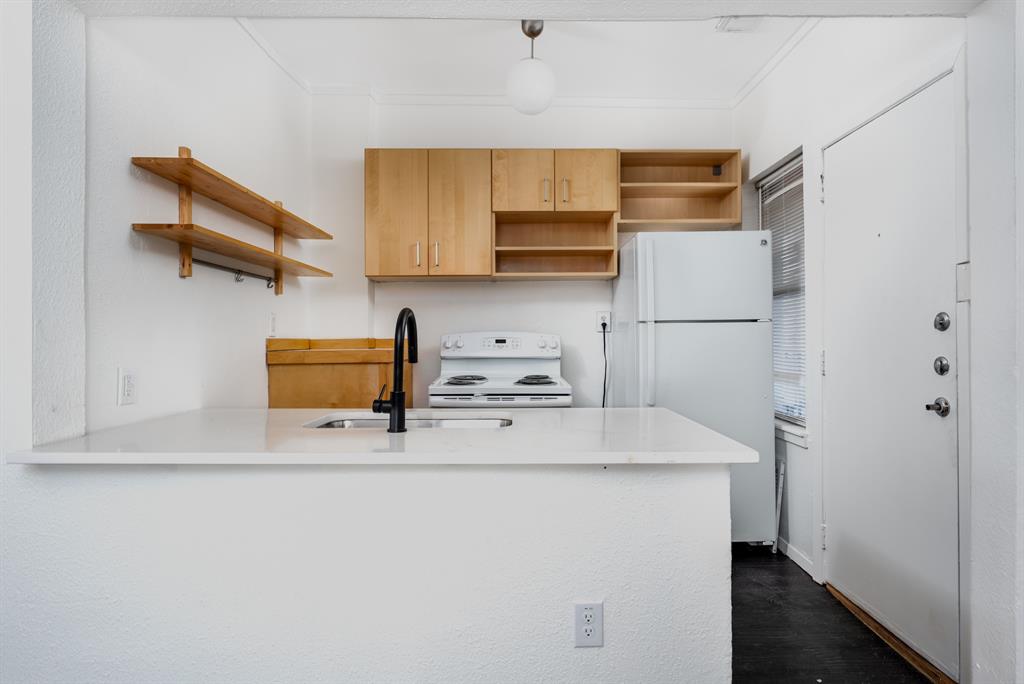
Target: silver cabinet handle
(437, 253)
(547, 189)
(565, 189)
(941, 406)
(418, 253)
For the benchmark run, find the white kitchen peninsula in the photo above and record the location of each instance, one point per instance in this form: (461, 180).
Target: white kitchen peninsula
(450, 555)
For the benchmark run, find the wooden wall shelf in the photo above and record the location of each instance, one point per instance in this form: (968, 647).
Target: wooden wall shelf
(198, 177)
(191, 176)
(680, 190)
(225, 245)
(555, 245)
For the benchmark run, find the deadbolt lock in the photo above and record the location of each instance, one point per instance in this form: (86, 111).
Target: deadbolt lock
(941, 365)
(942, 321)
(940, 406)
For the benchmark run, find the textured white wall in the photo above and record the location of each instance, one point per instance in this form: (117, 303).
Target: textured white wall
(995, 595)
(194, 342)
(830, 82)
(796, 521)
(431, 574)
(58, 212)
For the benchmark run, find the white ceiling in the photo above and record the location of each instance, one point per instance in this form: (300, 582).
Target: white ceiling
(525, 9)
(680, 60)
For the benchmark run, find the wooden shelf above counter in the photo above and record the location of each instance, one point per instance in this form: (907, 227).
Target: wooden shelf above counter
(218, 243)
(680, 190)
(191, 175)
(198, 177)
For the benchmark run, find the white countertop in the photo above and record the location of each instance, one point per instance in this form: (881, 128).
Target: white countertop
(277, 436)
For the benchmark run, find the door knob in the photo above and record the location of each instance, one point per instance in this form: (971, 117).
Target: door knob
(941, 365)
(941, 406)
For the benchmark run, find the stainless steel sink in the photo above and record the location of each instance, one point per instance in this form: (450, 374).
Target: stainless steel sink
(410, 423)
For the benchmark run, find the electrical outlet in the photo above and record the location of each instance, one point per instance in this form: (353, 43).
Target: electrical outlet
(589, 625)
(273, 325)
(126, 389)
(606, 318)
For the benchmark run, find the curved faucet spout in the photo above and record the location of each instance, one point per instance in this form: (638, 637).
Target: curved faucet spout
(395, 405)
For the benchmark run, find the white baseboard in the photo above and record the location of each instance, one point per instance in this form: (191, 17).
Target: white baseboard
(797, 556)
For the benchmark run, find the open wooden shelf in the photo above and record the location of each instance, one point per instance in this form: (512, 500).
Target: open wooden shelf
(680, 190)
(225, 245)
(670, 190)
(197, 176)
(557, 275)
(555, 245)
(581, 250)
(192, 175)
(630, 225)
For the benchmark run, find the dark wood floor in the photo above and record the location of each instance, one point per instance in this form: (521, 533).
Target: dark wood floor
(787, 628)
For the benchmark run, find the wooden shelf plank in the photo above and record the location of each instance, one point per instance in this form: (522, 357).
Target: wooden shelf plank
(200, 178)
(630, 225)
(672, 190)
(581, 250)
(225, 245)
(675, 157)
(557, 275)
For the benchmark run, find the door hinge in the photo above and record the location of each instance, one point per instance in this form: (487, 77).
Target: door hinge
(823, 362)
(821, 184)
(824, 529)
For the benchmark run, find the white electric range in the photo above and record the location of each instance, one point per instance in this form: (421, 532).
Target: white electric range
(507, 369)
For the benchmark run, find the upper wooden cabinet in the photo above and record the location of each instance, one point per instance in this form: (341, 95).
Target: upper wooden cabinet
(523, 180)
(555, 180)
(396, 212)
(460, 212)
(587, 180)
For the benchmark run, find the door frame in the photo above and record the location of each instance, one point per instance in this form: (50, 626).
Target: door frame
(815, 254)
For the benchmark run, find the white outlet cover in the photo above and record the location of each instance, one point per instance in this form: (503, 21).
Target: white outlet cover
(589, 625)
(605, 316)
(127, 387)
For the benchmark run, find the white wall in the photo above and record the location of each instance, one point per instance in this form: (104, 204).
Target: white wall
(995, 594)
(58, 211)
(434, 574)
(563, 308)
(796, 529)
(839, 74)
(199, 341)
(15, 269)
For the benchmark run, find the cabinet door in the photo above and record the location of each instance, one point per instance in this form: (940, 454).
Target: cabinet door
(395, 212)
(460, 212)
(587, 180)
(523, 180)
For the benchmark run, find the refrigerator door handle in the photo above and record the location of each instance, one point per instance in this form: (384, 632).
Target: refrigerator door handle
(649, 389)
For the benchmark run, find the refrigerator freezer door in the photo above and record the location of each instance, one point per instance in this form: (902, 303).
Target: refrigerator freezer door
(720, 375)
(704, 276)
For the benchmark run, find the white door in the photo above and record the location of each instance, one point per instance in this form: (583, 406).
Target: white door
(720, 375)
(890, 465)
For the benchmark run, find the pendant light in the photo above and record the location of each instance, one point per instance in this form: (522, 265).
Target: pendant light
(531, 83)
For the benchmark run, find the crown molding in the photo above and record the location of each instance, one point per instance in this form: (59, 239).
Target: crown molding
(780, 55)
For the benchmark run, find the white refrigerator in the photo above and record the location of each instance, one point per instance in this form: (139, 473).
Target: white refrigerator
(692, 332)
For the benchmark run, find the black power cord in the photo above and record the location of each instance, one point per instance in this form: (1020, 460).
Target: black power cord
(604, 351)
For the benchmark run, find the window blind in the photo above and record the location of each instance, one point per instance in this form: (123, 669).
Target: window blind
(781, 203)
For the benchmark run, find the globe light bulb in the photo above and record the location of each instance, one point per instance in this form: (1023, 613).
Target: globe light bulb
(530, 86)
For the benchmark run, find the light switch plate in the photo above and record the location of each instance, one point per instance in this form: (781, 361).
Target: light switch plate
(589, 625)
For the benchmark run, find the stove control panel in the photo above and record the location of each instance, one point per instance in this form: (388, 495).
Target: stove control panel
(500, 345)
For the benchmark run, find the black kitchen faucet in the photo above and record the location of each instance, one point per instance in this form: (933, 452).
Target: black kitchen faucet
(395, 405)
